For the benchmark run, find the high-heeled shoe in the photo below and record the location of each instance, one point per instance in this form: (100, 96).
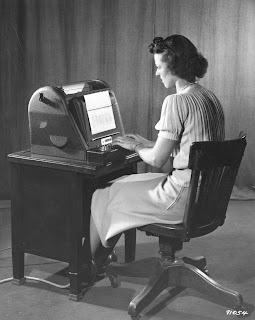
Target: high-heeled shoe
(111, 258)
(97, 270)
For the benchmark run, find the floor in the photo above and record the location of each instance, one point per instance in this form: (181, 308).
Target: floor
(230, 254)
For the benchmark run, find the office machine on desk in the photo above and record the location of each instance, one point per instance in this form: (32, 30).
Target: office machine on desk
(77, 121)
(71, 131)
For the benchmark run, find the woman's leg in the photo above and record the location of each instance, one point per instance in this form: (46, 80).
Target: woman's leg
(99, 253)
(95, 242)
(95, 255)
(94, 237)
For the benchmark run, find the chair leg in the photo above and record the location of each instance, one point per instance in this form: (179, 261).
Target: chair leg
(198, 262)
(178, 274)
(191, 277)
(155, 286)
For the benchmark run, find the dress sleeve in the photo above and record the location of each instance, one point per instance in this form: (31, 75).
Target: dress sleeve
(171, 123)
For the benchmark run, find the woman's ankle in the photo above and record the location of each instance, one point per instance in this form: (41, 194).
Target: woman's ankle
(101, 269)
(104, 256)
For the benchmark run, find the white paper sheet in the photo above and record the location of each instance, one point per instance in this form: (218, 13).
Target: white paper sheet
(100, 112)
(97, 100)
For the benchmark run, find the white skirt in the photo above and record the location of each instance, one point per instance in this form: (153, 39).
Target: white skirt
(137, 200)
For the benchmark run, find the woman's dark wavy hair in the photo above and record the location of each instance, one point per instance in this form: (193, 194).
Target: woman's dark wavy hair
(181, 56)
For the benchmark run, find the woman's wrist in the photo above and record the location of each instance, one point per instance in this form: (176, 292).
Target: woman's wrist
(136, 145)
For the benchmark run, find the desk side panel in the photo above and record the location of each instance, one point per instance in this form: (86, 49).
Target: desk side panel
(48, 211)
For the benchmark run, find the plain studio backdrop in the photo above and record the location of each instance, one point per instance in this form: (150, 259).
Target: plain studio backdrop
(53, 42)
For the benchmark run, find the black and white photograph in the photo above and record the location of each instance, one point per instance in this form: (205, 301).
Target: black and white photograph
(127, 181)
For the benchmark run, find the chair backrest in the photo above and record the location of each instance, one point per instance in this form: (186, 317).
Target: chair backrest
(214, 168)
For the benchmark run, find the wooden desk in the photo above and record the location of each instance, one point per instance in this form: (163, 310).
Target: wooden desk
(51, 209)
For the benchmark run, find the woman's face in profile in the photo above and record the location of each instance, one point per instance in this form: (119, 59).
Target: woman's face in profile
(162, 70)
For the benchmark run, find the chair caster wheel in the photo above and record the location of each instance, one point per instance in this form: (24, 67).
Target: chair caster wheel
(115, 282)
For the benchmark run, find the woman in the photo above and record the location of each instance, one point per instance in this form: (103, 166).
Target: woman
(193, 113)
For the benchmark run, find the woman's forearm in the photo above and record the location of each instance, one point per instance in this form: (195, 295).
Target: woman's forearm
(158, 154)
(147, 155)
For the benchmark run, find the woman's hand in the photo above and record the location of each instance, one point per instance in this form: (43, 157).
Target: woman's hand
(155, 155)
(138, 138)
(126, 142)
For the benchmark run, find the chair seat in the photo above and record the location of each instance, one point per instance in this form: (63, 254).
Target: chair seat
(164, 230)
(179, 231)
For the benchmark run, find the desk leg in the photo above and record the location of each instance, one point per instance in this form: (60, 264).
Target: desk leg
(75, 287)
(18, 267)
(76, 275)
(130, 245)
(75, 263)
(75, 270)
(17, 213)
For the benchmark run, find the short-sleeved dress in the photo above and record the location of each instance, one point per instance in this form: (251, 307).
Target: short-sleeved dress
(145, 198)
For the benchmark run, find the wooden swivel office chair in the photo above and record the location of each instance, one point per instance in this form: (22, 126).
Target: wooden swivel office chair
(214, 168)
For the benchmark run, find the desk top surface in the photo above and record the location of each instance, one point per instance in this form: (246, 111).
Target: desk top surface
(24, 157)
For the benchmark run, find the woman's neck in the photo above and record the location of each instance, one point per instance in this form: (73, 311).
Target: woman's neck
(183, 85)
